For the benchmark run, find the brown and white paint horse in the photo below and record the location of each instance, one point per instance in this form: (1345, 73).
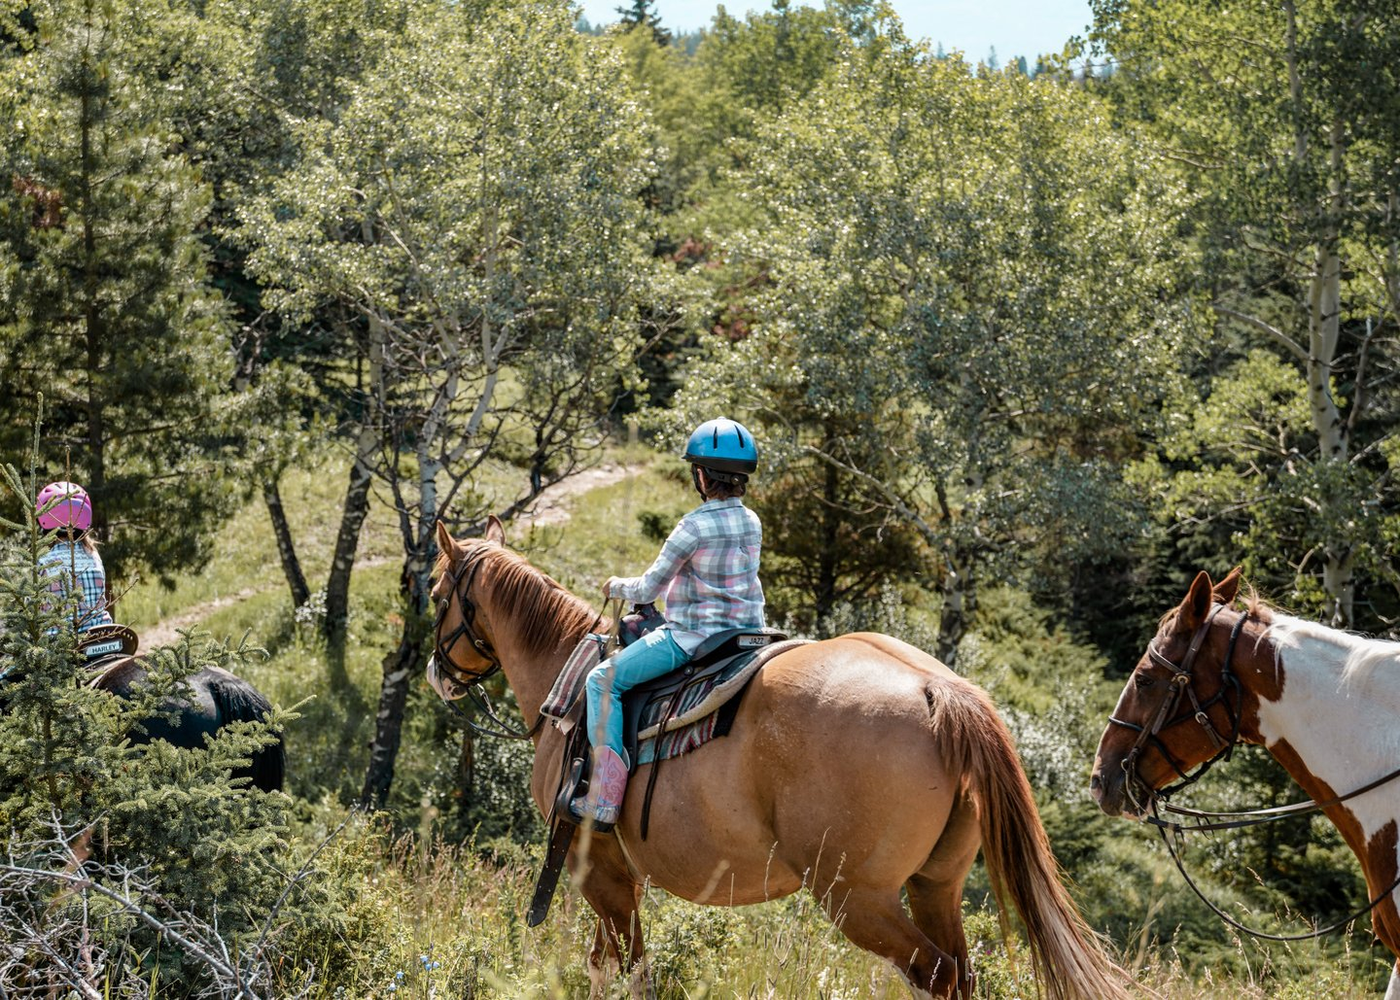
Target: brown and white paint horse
(1324, 703)
(858, 768)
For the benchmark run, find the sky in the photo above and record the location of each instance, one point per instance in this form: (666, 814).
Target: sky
(1015, 27)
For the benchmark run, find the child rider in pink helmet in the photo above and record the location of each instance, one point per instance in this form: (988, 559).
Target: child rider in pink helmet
(73, 564)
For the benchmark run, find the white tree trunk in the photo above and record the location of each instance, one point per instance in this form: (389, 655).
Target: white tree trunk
(1324, 333)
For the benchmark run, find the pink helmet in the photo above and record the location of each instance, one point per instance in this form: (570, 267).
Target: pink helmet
(73, 510)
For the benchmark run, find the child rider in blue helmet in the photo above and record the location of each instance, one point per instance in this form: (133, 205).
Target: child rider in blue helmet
(708, 573)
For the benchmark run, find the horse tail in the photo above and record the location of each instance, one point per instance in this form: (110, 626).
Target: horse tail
(238, 701)
(1068, 955)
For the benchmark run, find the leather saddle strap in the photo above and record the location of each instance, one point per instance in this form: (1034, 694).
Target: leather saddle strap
(656, 757)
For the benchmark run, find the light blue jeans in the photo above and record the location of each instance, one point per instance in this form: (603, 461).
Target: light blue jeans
(650, 656)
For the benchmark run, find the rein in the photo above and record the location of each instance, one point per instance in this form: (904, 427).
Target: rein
(1207, 820)
(462, 575)
(1299, 808)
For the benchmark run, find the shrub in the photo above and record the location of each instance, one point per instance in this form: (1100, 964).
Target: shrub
(128, 860)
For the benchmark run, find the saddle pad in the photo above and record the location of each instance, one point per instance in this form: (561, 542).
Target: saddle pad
(706, 711)
(699, 700)
(568, 685)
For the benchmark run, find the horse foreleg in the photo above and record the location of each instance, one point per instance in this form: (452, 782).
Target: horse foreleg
(1392, 992)
(875, 920)
(610, 949)
(601, 874)
(602, 963)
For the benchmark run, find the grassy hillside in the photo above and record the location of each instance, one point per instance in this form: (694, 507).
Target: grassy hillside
(428, 898)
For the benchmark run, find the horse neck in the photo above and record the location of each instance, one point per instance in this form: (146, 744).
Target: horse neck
(530, 677)
(530, 665)
(1328, 704)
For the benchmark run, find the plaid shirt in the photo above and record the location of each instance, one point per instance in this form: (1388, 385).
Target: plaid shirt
(709, 568)
(77, 571)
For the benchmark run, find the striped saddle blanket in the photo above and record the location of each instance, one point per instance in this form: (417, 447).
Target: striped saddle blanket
(682, 710)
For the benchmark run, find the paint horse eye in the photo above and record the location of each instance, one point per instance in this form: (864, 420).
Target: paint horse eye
(1143, 681)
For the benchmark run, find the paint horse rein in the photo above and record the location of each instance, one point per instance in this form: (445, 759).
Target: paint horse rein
(1207, 821)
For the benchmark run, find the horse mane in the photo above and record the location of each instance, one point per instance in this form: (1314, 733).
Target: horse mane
(1255, 606)
(1357, 655)
(544, 615)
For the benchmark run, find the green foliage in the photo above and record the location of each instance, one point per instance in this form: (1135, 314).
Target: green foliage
(104, 304)
(1290, 146)
(175, 835)
(962, 308)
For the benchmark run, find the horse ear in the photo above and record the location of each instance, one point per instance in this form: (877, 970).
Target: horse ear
(495, 531)
(1197, 605)
(1227, 588)
(447, 545)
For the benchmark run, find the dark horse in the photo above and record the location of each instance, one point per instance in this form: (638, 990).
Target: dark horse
(214, 698)
(211, 699)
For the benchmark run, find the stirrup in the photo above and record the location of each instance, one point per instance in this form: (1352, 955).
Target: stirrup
(575, 786)
(580, 815)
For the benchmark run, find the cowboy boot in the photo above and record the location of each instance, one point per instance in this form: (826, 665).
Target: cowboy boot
(607, 782)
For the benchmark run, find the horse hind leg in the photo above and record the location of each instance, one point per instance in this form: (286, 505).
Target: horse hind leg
(875, 920)
(937, 910)
(935, 891)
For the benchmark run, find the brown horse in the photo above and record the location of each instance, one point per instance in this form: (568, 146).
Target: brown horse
(1323, 702)
(856, 767)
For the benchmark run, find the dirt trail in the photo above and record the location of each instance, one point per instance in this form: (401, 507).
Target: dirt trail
(551, 507)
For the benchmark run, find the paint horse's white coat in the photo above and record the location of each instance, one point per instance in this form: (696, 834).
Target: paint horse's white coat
(1339, 710)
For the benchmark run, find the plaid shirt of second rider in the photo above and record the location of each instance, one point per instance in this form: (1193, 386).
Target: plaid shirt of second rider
(711, 563)
(75, 570)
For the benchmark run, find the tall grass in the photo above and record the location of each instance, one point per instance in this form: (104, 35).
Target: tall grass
(435, 919)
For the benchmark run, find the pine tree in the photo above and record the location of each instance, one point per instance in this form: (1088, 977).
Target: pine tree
(643, 13)
(104, 305)
(166, 828)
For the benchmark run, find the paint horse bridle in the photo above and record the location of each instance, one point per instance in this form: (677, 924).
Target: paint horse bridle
(1204, 821)
(1181, 682)
(462, 575)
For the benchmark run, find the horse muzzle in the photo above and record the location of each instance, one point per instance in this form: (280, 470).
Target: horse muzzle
(1110, 787)
(446, 687)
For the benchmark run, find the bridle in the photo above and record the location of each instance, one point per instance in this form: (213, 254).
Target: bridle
(1203, 821)
(1181, 683)
(463, 574)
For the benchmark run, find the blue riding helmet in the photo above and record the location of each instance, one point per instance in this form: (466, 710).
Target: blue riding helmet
(723, 445)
